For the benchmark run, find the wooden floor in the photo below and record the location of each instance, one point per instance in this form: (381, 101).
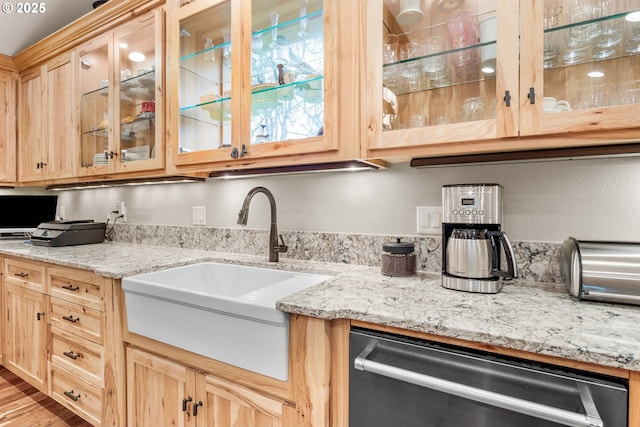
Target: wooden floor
(22, 405)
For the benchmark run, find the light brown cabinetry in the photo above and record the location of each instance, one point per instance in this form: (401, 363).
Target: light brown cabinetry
(31, 117)
(537, 52)
(8, 134)
(224, 395)
(26, 321)
(48, 121)
(2, 308)
(87, 354)
(121, 107)
(164, 392)
(261, 84)
(63, 334)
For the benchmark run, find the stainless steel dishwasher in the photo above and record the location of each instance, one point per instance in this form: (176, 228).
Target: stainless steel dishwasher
(402, 382)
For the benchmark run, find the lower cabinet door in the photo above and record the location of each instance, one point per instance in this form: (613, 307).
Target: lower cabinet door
(229, 405)
(26, 334)
(157, 391)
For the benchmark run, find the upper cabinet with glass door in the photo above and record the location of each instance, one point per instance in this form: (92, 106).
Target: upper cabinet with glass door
(120, 82)
(587, 52)
(287, 70)
(441, 71)
(260, 82)
(203, 78)
(95, 113)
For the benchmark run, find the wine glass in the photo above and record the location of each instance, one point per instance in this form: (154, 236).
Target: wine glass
(303, 19)
(274, 17)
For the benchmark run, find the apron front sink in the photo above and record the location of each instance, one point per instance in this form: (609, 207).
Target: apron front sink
(222, 311)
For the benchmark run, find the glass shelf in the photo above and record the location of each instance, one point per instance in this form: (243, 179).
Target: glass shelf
(604, 38)
(102, 132)
(290, 29)
(139, 88)
(436, 71)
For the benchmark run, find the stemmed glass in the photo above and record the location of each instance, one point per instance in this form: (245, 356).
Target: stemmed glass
(226, 55)
(274, 17)
(303, 20)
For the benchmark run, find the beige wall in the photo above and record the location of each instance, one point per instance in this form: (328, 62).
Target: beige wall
(544, 201)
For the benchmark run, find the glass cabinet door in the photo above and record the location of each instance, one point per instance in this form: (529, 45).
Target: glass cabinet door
(287, 70)
(590, 62)
(439, 62)
(204, 67)
(135, 68)
(95, 90)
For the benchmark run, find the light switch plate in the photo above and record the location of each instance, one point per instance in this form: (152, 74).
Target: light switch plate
(199, 215)
(429, 219)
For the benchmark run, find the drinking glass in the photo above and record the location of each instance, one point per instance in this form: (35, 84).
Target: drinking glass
(580, 36)
(390, 48)
(416, 121)
(463, 32)
(631, 92)
(411, 69)
(611, 33)
(433, 65)
(552, 13)
(473, 109)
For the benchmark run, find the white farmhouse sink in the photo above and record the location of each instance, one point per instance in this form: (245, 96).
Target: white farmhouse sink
(222, 311)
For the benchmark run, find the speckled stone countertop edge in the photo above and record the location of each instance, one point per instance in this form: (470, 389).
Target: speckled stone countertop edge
(535, 317)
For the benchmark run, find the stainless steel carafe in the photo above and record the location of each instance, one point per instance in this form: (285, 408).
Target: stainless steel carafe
(473, 253)
(469, 254)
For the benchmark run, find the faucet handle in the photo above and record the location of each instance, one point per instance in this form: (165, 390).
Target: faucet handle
(282, 247)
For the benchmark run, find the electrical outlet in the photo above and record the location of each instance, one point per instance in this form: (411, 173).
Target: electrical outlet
(62, 213)
(429, 219)
(199, 215)
(121, 209)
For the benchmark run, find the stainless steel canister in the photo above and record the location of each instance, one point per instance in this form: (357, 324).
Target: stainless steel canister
(600, 270)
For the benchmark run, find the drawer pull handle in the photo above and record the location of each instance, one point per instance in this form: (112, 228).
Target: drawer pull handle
(72, 355)
(70, 318)
(23, 275)
(39, 315)
(71, 288)
(184, 403)
(71, 396)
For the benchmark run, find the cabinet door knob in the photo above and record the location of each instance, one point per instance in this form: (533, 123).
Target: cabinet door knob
(195, 408)
(532, 95)
(507, 98)
(184, 403)
(39, 316)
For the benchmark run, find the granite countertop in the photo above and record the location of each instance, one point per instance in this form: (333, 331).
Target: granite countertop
(534, 317)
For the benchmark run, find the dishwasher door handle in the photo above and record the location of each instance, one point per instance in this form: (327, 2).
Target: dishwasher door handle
(538, 410)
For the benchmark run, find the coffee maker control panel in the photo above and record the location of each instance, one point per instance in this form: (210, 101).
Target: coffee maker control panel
(472, 204)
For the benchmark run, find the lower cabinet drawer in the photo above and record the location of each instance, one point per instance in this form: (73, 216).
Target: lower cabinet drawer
(79, 396)
(76, 319)
(77, 355)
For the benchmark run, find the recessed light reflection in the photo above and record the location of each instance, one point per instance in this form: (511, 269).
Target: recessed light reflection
(633, 16)
(136, 57)
(123, 45)
(595, 74)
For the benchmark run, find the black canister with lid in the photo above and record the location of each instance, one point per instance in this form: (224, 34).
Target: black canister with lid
(398, 259)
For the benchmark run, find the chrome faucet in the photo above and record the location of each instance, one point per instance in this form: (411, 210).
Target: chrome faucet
(243, 215)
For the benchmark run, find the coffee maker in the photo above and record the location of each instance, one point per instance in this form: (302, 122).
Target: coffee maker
(474, 247)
